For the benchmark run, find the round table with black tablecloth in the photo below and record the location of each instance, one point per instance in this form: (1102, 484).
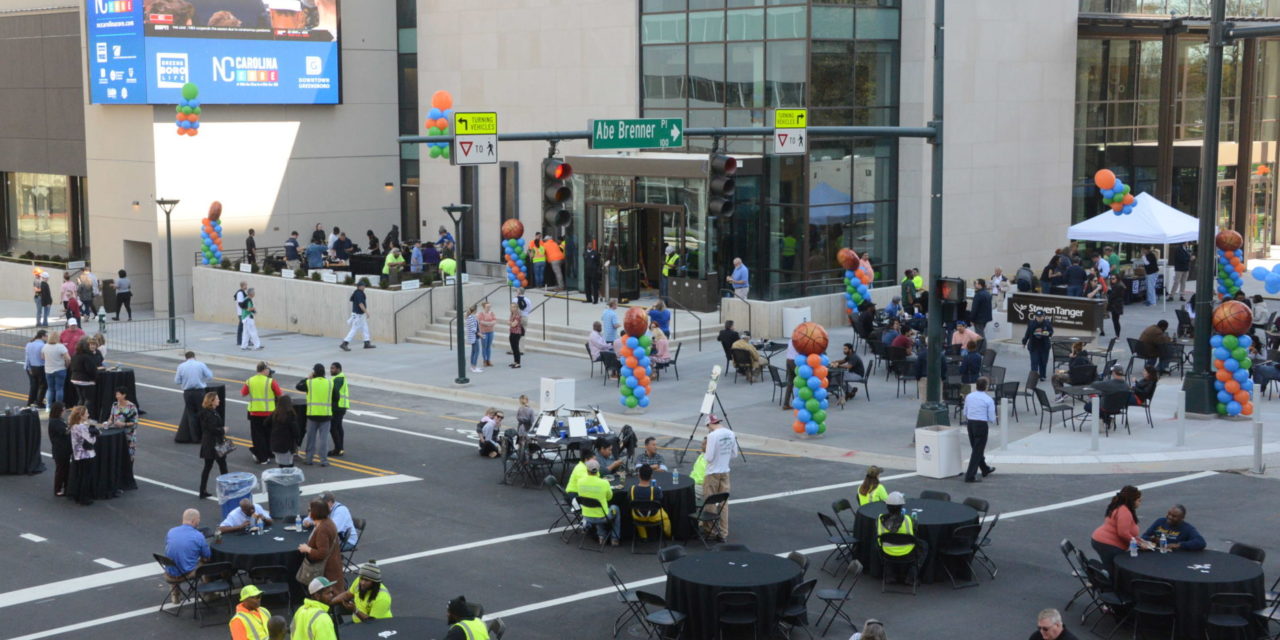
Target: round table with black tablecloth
(20, 444)
(407, 627)
(935, 520)
(677, 499)
(1193, 582)
(110, 471)
(107, 383)
(694, 581)
(274, 547)
(188, 429)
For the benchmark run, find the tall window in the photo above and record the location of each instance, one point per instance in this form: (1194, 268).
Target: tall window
(39, 209)
(407, 81)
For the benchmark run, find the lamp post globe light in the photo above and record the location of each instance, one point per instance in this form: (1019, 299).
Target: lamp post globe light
(166, 205)
(456, 213)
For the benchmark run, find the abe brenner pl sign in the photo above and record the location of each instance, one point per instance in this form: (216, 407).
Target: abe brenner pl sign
(637, 133)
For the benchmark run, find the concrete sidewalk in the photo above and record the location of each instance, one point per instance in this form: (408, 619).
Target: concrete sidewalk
(878, 431)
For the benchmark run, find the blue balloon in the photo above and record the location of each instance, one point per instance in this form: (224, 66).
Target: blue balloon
(447, 113)
(639, 391)
(195, 125)
(1128, 208)
(1219, 385)
(797, 403)
(811, 428)
(633, 342)
(643, 401)
(826, 362)
(804, 371)
(1272, 288)
(1246, 384)
(1221, 353)
(1231, 365)
(648, 371)
(1233, 408)
(1244, 341)
(204, 260)
(820, 393)
(194, 104)
(1260, 273)
(1223, 396)
(434, 114)
(185, 124)
(1241, 375)
(1107, 193)
(643, 361)
(622, 400)
(814, 382)
(862, 289)
(823, 404)
(204, 236)
(849, 275)
(631, 381)
(848, 303)
(803, 415)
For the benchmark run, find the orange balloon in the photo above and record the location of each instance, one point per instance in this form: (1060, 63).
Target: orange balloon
(1223, 375)
(1218, 364)
(1239, 267)
(1128, 198)
(648, 390)
(1242, 397)
(1116, 206)
(1104, 179)
(631, 362)
(1232, 386)
(797, 426)
(820, 371)
(1246, 408)
(824, 383)
(814, 360)
(442, 123)
(443, 100)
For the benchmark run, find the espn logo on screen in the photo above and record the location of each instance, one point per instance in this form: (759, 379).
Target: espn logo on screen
(172, 70)
(112, 6)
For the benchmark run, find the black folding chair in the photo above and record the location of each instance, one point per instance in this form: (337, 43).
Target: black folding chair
(909, 560)
(801, 561)
(795, 614)
(1007, 391)
(348, 554)
(610, 364)
(960, 547)
(839, 508)
(629, 599)
(738, 609)
(709, 515)
(979, 505)
(1049, 409)
(929, 494)
(1153, 599)
(658, 616)
(646, 516)
(667, 555)
(213, 580)
(980, 550)
(1070, 552)
(184, 587)
(569, 514)
(1105, 598)
(591, 503)
(1248, 551)
(1231, 614)
(843, 550)
(834, 599)
(779, 385)
(273, 580)
(743, 364)
(592, 360)
(1029, 391)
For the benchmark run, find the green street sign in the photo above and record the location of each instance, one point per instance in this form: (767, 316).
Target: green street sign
(637, 133)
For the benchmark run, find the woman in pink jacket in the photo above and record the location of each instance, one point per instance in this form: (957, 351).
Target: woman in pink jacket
(1120, 526)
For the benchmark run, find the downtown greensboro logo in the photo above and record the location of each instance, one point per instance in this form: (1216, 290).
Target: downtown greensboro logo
(172, 70)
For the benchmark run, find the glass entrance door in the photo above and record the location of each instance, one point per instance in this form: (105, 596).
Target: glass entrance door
(621, 250)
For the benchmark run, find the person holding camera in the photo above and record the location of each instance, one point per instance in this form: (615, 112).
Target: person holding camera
(84, 437)
(263, 391)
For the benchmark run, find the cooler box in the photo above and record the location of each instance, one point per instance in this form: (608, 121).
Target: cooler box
(938, 452)
(284, 491)
(234, 487)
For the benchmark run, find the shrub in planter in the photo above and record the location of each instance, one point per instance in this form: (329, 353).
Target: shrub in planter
(315, 276)
(30, 255)
(268, 269)
(226, 263)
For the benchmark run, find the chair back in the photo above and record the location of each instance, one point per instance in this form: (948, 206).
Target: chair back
(898, 539)
(833, 530)
(645, 510)
(587, 345)
(799, 598)
(1082, 374)
(1099, 577)
(996, 376)
(1135, 347)
(952, 350)
(951, 393)
(988, 358)
(731, 547)
(839, 507)
(801, 560)
(986, 535)
(215, 571)
(667, 555)
(616, 580)
(715, 499)
(1033, 379)
(610, 361)
(903, 368)
(1116, 401)
(895, 354)
(857, 366)
(1007, 391)
(675, 358)
(497, 628)
(929, 494)
(1232, 604)
(979, 505)
(651, 600)
(591, 503)
(966, 537)
(1248, 551)
(1151, 592)
(741, 360)
(742, 607)
(164, 561)
(1061, 349)
(1042, 398)
(268, 574)
(1068, 550)
(774, 375)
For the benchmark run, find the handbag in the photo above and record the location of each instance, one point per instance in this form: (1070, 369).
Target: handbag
(310, 570)
(224, 448)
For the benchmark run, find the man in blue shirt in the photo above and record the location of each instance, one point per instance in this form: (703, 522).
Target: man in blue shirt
(740, 280)
(359, 319)
(315, 254)
(34, 366)
(980, 414)
(291, 255)
(1174, 526)
(610, 320)
(193, 376)
(891, 333)
(186, 546)
(415, 258)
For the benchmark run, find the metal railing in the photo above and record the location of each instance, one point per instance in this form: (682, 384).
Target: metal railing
(136, 336)
(429, 294)
(496, 289)
(679, 307)
(239, 254)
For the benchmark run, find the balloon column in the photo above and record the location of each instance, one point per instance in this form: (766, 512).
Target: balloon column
(515, 254)
(1231, 363)
(1114, 192)
(211, 235)
(1270, 279)
(439, 118)
(856, 279)
(633, 380)
(189, 111)
(1230, 262)
(810, 397)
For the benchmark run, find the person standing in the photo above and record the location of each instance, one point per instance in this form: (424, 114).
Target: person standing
(393, 264)
(1181, 269)
(56, 360)
(539, 255)
(591, 273)
(239, 297)
(980, 311)
(83, 374)
(247, 313)
(669, 262)
(1153, 272)
(285, 433)
(66, 293)
(318, 236)
(84, 437)
(192, 377)
(1036, 340)
(415, 257)
(488, 321)
(60, 445)
(740, 280)
(250, 620)
(263, 391)
(323, 544)
(33, 364)
(516, 324)
(722, 446)
(1115, 302)
(319, 392)
(251, 248)
(980, 413)
(555, 257)
(472, 325)
(1075, 276)
(315, 253)
(908, 289)
(291, 256)
(213, 435)
(124, 294)
(124, 415)
(524, 416)
(341, 402)
(609, 320)
(359, 319)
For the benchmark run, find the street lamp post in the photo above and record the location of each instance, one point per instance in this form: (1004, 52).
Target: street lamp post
(167, 206)
(456, 212)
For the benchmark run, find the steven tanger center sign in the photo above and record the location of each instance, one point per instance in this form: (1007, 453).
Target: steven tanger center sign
(1066, 312)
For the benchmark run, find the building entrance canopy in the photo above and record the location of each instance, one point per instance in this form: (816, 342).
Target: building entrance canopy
(1152, 222)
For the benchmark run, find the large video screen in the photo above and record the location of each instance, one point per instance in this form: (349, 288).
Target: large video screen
(235, 51)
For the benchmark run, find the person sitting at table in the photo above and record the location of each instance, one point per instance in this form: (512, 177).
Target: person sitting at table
(891, 333)
(1049, 627)
(320, 546)
(650, 456)
(963, 335)
(188, 549)
(1078, 358)
(1152, 339)
(312, 620)
(1179, 533)
(342, 520)
(970, 363)
(368, 598)
(605, 517)
(124, 415)
(866, 320)
(895, 521)
(757, 361)
(1115, 383)
(871, 490)
(609, 464)
(647, 490)
(894, 308)
(463, 624)
(245, 517)
(727, 337)
(1112, 537)
(596, 342)
(1145, 388)
(250, 620)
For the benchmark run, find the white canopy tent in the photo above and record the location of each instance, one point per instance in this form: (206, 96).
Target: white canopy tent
(1151, 222)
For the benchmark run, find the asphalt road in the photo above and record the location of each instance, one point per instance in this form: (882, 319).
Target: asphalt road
(441, 525)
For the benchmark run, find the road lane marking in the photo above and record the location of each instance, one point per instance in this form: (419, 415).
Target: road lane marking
(830, 487)
(110, 564)
(347, 485)
(33, 537)
(88, 624)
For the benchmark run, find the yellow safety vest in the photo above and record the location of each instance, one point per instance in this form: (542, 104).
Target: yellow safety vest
(261, 400)
(917, 282)
(878, 494)
(255, 626)
(391, 259)
(907, 527)
(669, 264)
(474, 629)
(319, 397)
(539, 254)
(789, 246)
(344, 393)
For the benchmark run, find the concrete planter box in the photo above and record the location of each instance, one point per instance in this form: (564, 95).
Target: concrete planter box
(16, 278)
(764, 318)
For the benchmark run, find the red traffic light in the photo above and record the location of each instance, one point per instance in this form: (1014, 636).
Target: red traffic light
(724, 165)
(557, 170)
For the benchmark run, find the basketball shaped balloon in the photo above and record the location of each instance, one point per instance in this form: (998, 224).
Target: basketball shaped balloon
(809, 338)
(215, 211)
(1232, 318)
(848, 259)
(512, 229)
(1228, 240)
(636, 322)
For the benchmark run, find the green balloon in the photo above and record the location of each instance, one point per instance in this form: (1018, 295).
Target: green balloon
(1222, 409)
(1246, 363)
(190, 91)
(812, 404)
(177, 108)
(1230, 342)
(822, 427)
(819, 416)
(444, 153)
(195, 110)
(1239, 353)
(799, 383)
(632, 402)
(435, 152)
(849, 290)
(185, 110)
(433, 131)
(806, 394)
(646, 340)
(626, 391)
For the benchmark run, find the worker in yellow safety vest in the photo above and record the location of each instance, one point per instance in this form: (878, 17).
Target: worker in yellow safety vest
(539, 255)
(250, 620)
(341, 402)
(789, 245)
(895, 521)
(312, 620)
(463, 625)
(262, 391)
(668, 267)
(319, 392)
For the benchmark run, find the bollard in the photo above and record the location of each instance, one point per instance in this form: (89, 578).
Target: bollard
(1097, 421)
(1004, 425)
(1258, 467)
(1182, 420)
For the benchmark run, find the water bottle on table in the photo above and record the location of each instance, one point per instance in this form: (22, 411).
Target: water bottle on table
(1164, 543)
(675, 475)
(1133, 547)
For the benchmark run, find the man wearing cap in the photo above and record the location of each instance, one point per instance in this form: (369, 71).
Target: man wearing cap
(464, 625)
(1115, 383)
(250, 621)
(722, 446)
(1036, 340)
(894, 308)
(894, 521)
(963, 334)
(605, 517)
(245, 517)
(368, 598)
(312, 620)
(359, 319)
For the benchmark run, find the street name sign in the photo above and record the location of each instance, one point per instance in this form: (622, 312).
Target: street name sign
(637, 133)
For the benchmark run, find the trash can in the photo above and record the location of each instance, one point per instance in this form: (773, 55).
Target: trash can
(284, 490)
(938, 452)
(233, 487)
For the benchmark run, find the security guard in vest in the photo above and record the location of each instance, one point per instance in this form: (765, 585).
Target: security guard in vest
(341, 402)
(250, 621)
(789, 245)
(668, 268)
(897, 522)
(262, 391)
(319, 392)
(463, 625)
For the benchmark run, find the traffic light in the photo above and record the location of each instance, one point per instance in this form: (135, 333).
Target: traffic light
(720, 199)
(950, 290)
(556, 191)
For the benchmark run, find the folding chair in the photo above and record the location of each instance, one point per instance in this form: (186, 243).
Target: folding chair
(843, 550)
(839, 508)
(273, 580)
(1153, 599)
(1029, 391)
(709, 514)
(629, 599)
(610, 364)
(569, 514)
(1104, 596)
(961, 546)
(497, 628)
(929, 494)
(348, 555)
(590, 359)
(183, 586)
(730, 547)
(657, 616)
(1231, 614)
(796, 611)
(979, 505)
(738, 609)
(1248, 552)
(835, 599)
(213, 580)
(667, 555)
(905, 373)
(801, 560)
(642, 511)
(980, 550)
(779, 385)
(591, 503)
(1070, 552)
(910, 560)
(1048, 409)
(743, 364)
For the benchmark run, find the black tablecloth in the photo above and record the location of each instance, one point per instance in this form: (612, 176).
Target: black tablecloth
(245, 552)
(188, 430)
(105, 391)
(20, 444)
(694, 581)
(1192, 586)
(110, 470)
(935, 520)
(677, 499)
(408, 628)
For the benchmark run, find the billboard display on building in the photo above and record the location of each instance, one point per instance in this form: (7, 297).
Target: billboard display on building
(236, 51)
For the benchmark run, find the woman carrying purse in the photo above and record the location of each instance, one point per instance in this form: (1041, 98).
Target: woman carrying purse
(213, 440)
(320, 551)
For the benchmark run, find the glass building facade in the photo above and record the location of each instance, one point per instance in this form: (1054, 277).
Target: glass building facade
(731, 63)
(42, 214)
